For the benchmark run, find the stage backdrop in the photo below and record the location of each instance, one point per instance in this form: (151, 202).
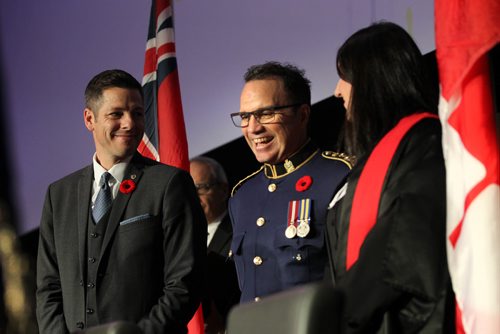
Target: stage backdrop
(50, 49)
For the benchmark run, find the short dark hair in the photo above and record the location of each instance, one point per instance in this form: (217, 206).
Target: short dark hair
(297, 86)
(386, 70)
(109, 79)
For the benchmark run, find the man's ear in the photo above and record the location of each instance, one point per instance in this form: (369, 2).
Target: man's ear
(304, 113)
(89, 119)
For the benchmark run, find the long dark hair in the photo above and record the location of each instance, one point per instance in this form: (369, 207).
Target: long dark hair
(385, 68)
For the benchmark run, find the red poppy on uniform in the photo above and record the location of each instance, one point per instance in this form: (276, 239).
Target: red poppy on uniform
(303, 183)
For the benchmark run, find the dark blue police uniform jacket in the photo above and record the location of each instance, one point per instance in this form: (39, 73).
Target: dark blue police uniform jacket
(267, 261)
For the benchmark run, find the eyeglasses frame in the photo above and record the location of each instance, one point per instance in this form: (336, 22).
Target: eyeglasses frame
(205, 187)
(258, 113)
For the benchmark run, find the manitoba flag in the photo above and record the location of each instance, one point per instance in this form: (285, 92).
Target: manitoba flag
(465, 31)
(165, 134)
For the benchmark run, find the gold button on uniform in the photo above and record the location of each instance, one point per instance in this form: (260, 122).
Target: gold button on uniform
(257, 260)
(261, 221)
(257, 299)
(271, 187)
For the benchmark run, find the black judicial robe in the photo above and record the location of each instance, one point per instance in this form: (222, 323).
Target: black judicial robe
(400, 282)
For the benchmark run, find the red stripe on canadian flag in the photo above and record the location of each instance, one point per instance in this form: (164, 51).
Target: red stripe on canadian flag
(465, 31)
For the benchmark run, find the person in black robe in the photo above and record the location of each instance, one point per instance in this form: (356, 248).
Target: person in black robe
(397, 281)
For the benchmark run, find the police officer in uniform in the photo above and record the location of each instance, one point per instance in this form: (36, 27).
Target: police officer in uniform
(278, 213)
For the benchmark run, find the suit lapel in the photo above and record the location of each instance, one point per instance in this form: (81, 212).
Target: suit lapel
(84, 193)
(134, 173)
(222, 236)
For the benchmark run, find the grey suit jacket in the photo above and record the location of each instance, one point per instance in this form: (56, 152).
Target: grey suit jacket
(150, 270)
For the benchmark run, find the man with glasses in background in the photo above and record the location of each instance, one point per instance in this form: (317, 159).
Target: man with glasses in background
(221, 291)
(278, 212)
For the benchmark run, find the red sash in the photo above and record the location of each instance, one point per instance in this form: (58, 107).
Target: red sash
(369, 189)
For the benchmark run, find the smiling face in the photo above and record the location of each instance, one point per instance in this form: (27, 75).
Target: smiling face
(117, 124)
(273, 143)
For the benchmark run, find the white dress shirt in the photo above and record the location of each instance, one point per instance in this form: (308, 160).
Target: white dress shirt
(212, 227)
(117, 172)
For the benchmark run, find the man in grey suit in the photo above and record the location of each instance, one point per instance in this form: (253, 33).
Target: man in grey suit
(123, 238)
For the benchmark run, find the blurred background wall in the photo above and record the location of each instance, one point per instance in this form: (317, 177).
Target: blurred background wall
(50, 49)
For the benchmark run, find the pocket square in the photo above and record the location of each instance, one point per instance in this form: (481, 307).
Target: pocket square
(136, 219)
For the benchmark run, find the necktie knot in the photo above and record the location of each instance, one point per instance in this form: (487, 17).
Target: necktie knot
(105, 179)
(104, 198)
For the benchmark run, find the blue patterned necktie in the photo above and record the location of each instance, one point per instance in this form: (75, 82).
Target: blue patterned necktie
(103, 200)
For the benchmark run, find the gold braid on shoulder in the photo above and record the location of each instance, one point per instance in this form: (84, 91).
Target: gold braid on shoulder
(349, 160)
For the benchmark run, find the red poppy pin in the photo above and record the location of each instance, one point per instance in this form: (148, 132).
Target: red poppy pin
(303, 183)
(127, 186)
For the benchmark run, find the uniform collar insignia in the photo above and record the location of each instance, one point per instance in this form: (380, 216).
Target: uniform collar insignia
(289, 166)
(292, 163)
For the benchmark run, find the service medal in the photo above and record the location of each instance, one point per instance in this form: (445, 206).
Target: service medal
(303, 229)
(304, 217)
(291, 232)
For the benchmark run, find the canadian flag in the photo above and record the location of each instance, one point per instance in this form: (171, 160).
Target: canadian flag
(465, 31)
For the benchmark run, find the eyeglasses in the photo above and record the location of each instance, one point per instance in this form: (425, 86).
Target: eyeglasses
(263, 116)
(204, 188)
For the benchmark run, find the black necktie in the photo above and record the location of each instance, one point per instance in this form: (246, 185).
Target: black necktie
(103, 200)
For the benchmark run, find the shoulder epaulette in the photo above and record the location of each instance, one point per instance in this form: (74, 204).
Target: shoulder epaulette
(240, 183)
(349, 160)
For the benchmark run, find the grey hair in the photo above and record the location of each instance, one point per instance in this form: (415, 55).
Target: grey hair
(216, 170)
